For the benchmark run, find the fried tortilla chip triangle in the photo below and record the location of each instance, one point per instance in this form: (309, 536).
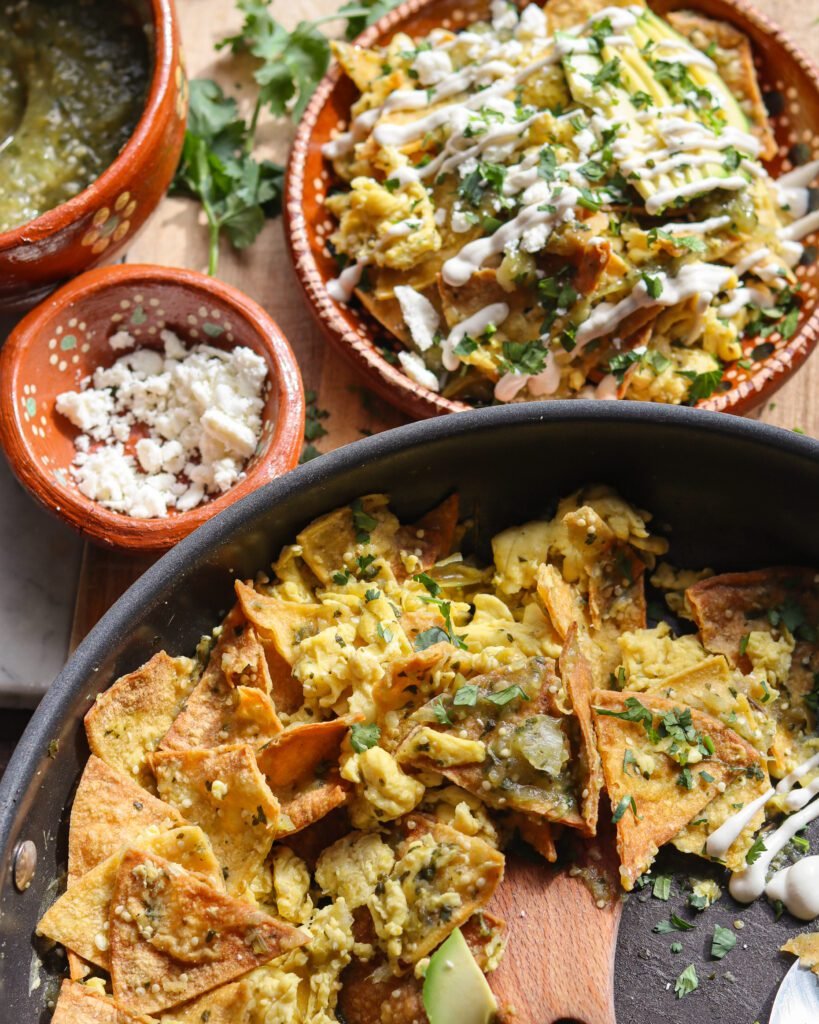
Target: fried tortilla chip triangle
(129, 719)
(662, 765)
(507, 736)
(231, 702)
(173, 936)
(301, 768)
(79, 918)
(223, 791)
(77, 1004)
(108, 809)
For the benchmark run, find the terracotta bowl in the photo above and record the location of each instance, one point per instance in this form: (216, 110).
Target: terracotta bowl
(60, 343)
(95, 225)
(790, 84)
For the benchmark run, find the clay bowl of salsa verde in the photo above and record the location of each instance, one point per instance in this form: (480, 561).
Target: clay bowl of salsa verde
(93, 100)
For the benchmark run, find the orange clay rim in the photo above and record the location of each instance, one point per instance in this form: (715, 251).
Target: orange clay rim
(356, 343)
(92, 519)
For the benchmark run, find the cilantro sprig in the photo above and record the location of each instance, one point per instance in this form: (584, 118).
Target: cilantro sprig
(218, 168)
(237, 193)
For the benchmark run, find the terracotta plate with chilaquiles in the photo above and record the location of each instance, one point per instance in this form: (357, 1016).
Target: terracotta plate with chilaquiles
(759, 358)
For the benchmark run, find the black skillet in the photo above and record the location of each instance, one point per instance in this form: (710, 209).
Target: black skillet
(728, 493)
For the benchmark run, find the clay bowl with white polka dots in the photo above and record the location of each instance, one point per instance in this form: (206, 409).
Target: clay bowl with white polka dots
(57, 347)
(790, 87)
(101, 220)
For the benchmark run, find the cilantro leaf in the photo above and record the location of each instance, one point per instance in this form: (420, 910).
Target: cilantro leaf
(432, 587)
(361, 14)
(626, 803)
(362, 737)
(635, 712)
(756, 851)
(662, 887)
(433, 635)
(675, 923)
(503, 697)
(237, 193)
(440, 712)
(687, 982)
(702, 384)
(466, 696)
(723, 942)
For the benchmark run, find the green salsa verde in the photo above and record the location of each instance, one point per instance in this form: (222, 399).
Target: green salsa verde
(73, 81)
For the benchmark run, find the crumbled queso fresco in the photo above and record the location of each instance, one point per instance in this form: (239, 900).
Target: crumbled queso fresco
(197, 412)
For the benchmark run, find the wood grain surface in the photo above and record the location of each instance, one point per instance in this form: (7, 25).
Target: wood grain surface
(175, 236)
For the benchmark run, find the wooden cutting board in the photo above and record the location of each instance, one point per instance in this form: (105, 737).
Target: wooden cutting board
(175, 236)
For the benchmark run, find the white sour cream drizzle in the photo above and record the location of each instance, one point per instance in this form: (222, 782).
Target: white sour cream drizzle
(798, 889)
(800, 228)
(700, 227)
(693, 188)
(703, 279)
(341, 288)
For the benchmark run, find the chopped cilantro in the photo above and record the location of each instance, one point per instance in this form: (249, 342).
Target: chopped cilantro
(433, 589)
(440, 712)
(635, 712)
(743, 643)
(722, 942)
(503, 697)
(702, 384)
(687, 982)
(756, 851)
(609, 74)
(362, 737)
(433, 635)
(675, 923)
(363, 522)
(527, 357)
(662, 887)
(641, 100)
(466, 696)
(654, 285)
(626, 803)
(384, 632)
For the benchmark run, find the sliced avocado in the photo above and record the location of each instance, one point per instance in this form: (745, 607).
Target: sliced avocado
(455, 988)
(657, 29)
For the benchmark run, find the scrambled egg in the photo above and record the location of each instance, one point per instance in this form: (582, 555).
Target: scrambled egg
(544, 205)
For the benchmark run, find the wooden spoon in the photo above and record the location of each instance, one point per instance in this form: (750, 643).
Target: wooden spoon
(559, 960)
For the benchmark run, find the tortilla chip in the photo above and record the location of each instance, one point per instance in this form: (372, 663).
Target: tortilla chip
(286, 692)
(370, 994)
(538, 834)
(173, 936)
(230, 703)
(806, 947)
(108, 810)
(735, 66)
(79, 918)
(431, 860)
(301, 768)
(77, 1004)
(652, 811)
(223, 791)
(576, 675)
(284, 623)
(563, 14)
(327, 539)
(728, 607)
(432, 537)
(495, 726)
(742, 791)
(560, 600)
(130, 718)
(406, 681)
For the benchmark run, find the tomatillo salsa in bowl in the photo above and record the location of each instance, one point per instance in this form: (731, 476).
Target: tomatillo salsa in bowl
(92, 116)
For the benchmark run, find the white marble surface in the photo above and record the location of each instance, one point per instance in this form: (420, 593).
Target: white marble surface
(39, 564)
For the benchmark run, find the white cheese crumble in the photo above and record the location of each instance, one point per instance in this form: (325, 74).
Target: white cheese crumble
(196, 413)
(414, 367)
(419, 314)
